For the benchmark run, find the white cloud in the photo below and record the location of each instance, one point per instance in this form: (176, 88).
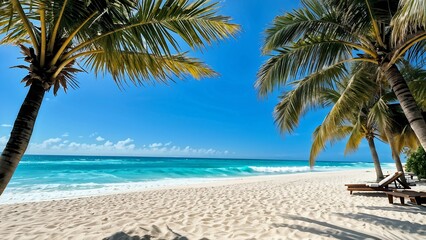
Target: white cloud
(155, 145)
(100, 139)
(122, 147)
(52, 140)
(65, 135)
(74, 145)
(6, 125)
(125, 144)
(49, 142)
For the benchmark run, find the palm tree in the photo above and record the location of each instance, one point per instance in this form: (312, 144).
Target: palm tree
(363, 120)
(132, 40)
(371, 118)
(374, 116)
(357, 130)
(317, 41)
(400, 135)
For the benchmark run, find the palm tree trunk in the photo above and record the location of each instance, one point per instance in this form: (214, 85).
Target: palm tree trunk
(409, 106)
(395, 155)
(377, 167)
(21, 134)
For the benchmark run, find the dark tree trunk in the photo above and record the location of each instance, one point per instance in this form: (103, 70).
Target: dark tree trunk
(377, 167)
(398, 164)
(21, 134)
(395, 155)
(408, 104)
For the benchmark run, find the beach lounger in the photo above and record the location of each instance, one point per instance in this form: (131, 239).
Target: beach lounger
(410, 175)
(382, 186)
(415, 197)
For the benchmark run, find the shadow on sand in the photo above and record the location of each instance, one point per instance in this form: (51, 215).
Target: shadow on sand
(370, 194)
(327, 229)
(406, 226)
(406, 208)
(125, 236)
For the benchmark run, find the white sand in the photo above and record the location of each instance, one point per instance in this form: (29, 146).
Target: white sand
(297, 206)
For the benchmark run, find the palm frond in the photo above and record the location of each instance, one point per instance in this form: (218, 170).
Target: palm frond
(379, 115)
(418, 89)
(12, 28)
(152, 27)
(355, 138)
(414, 53)
(321, 137)
(375, 26)
(145, 67)
(406, 138)
(359, 89)
(130, 39)
(295, 61)
(415, 76)
(314, 19)
(410, 18)
(307, 93)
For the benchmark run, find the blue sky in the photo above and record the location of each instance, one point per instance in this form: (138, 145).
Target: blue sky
(217, 117)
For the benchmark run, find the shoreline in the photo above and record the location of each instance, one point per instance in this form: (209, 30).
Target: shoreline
(134, 187)
(294, 206)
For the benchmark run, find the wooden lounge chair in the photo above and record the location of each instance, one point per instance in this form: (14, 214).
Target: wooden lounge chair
(415, 197)
(382, 186)
(410, 175)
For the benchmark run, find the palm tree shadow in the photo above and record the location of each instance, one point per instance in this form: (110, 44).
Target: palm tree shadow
(421, 182)
(370, 194)
(416, 209)
(411, 227)
(124, 236)
(331, 230)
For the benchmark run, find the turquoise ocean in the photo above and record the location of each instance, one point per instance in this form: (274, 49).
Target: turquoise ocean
(55, 177)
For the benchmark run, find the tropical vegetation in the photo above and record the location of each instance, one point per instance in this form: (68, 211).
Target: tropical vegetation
(416, 163)
(137, 41)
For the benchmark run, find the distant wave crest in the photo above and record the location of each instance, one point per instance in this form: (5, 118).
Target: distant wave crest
(280, 169)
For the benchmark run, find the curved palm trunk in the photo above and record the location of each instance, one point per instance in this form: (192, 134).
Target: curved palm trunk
(408, 104)
(395, 155)
(21, 134)
(398, 164)
(377, 167)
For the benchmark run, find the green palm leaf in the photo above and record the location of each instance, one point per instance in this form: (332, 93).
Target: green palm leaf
(314, 19)
(355, 137)
(379, 115)
(138, 66)
(305, 95)
(132, 40)
(291, 62)
(321, 137)
(360, 88)
(411, 18)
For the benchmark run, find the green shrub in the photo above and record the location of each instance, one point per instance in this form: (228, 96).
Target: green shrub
(416, 163)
